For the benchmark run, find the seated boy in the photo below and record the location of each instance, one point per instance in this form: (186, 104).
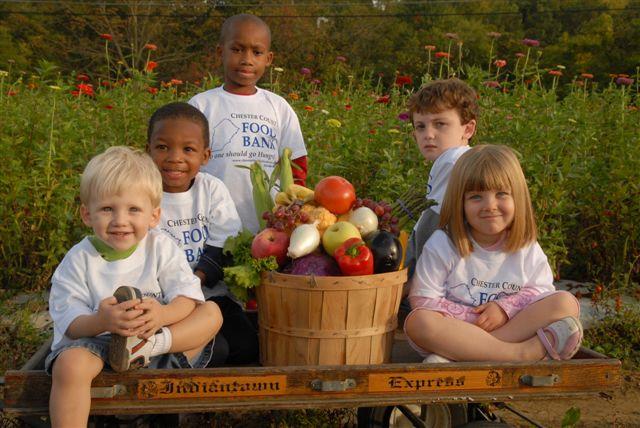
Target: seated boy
(444, 115)
(199, 214)
(124, 295)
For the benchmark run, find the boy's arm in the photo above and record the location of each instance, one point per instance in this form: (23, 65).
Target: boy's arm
(209, 267)
(111, 316)
(156, 315)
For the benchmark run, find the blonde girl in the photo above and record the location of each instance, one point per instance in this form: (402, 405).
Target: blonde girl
(483, 288)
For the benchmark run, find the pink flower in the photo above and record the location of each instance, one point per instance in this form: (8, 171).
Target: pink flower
(430, 47)
(404, 116)
(106, 36)
(586, 76)
(500, 63)
(305, 71)
(520, 55)
(625, 81)
(494, 34)
(452, 36)
(316, 81)
(555, 72)
(531, 43)
(491, 84)
(151, 46)
(341, 58)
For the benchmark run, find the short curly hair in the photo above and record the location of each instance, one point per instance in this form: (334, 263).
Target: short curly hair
(446, 94)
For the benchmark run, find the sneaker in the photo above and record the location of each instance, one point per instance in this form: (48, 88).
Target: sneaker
(128, 353)
(435, 358)
(566, 336)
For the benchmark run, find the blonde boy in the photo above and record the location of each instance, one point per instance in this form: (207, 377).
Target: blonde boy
(125, 294)
(444, 115)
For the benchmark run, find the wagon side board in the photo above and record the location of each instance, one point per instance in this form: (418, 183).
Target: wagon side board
(256, 388)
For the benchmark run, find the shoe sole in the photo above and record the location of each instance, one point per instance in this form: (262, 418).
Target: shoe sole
(118, 353)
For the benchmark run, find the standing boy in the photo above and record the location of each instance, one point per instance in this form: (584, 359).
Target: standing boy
(126, 294)
(444, 115)
(247, 123)
(199, 214)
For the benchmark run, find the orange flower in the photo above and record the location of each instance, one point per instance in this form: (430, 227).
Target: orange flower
(294, 96)
(442, 55)
(151, 46)
(308, 108)
(152, 90)
(586, 76)
(500, 63)
(151, 65)
(176, 82)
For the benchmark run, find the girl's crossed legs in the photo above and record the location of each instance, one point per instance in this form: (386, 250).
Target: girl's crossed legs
(514, 341)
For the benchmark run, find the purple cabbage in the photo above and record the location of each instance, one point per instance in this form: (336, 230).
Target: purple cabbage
(316, 263)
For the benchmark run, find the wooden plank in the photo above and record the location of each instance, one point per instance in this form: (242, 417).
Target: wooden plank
(334, 317)
(360, 304)
(27, 392)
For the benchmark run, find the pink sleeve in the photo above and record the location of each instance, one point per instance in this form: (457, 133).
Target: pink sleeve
(514, 303)
(447, 307)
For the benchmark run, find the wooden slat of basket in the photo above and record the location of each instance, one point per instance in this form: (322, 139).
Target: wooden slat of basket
(359, 316)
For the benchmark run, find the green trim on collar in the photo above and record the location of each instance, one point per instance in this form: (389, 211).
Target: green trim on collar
(108, 253)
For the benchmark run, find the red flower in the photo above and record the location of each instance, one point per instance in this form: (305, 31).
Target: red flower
(500, 63)
(12, 93)
(373, 132)
(403, 80)
(531, 43)
(151, 65)
(555, 72)
(383, 99)
(108, 107)
(82, 77)
(84, 89)
(151, 46)
(607, 213)
(586, 76)
(624, 81)
(347, 107)
(442, 55)
(106, 36)
(430, 47)
(152, 90)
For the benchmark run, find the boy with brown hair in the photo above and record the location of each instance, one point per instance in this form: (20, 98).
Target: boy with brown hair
(444, 116)
(247, 123)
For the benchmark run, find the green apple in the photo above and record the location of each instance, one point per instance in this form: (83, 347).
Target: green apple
(336, 234)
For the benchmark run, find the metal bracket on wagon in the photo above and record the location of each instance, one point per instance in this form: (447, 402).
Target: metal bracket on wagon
(530, 380)
(332, 385)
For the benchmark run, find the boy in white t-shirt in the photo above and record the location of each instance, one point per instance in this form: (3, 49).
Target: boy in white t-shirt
(126, 294)
(247, 123)
(444, 115)
(199, 214)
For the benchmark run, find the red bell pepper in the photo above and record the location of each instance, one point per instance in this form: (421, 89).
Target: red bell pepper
(354, 258)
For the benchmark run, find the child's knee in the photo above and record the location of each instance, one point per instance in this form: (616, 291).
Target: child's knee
(568, 303)
(421, 323)
(212, 311)
(76, 365)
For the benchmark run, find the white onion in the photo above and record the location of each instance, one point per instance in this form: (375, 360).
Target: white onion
(304, 240)
(365, 220)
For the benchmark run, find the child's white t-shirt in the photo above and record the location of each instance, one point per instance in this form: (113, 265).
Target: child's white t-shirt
(509, 279)
(204, 214)
(245, 129)
(83, 279)
(440, 173)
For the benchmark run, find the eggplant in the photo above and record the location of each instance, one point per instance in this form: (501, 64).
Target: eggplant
(386, 249)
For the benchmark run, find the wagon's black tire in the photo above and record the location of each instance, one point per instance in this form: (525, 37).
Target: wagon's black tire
(433, 415)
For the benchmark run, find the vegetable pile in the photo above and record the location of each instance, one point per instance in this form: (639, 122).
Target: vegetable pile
(327, 231)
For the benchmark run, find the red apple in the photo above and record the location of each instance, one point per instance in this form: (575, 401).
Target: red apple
(270, 242)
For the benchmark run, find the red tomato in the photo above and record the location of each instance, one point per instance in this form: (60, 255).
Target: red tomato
(335, 194)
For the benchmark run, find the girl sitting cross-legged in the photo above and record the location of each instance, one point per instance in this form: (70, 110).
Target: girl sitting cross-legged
(483, 288)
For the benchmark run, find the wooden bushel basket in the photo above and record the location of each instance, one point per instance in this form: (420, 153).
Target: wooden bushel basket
(324, 320)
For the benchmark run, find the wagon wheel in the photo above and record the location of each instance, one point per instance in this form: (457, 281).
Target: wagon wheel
(413, 415)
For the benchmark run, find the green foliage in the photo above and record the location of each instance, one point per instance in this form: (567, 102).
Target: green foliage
(617, 335)
(571, 418)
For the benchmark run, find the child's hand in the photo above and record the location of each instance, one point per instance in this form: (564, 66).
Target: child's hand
(492, 316)
(152, 317)
(119, 318)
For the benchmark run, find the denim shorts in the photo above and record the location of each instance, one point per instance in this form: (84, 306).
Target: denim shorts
(99, 346)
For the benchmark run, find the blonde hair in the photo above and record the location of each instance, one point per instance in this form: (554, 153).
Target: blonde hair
(488, 167)
(117, 170)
